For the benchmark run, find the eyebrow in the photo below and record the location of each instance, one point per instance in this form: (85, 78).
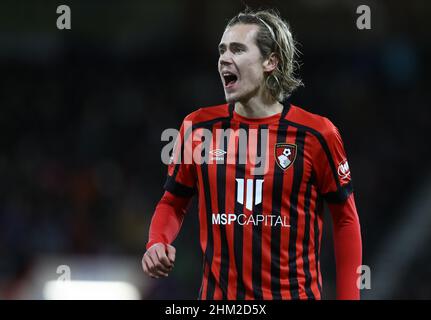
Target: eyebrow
(235, 44)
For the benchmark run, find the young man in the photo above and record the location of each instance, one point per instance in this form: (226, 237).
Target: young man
(260, 198)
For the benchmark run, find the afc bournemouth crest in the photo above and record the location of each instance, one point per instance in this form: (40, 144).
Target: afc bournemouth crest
(285, 154)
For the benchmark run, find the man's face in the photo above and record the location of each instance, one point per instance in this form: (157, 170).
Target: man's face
(240, 63)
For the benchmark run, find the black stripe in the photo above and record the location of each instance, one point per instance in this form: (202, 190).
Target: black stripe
(231, 107)
(294, 194)
(221, 197)
(211, 285)
(238, 229)
(257, 229)
(209, 252)
(209, 123)
(177, 188)
(340, 195)
(277, 191)
(325, 147)
(286, 108)
(203, 279)
(306, 241)
(200, 292)
(317, 212)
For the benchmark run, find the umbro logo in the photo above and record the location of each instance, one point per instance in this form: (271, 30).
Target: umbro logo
(217, 154)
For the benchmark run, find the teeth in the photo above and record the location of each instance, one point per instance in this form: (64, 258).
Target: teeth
(229, 77)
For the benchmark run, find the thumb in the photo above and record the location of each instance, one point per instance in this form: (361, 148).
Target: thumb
(170, 251)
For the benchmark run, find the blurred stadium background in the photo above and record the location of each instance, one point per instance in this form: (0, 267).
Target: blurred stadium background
(82, 111)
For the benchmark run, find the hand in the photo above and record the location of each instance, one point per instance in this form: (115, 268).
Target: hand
(158, 260)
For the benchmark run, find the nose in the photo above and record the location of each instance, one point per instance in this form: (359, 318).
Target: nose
(225, 58)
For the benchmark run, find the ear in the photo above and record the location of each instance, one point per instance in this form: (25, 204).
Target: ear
(270, 63)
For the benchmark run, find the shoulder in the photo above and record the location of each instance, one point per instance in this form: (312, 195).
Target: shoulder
(205, 114)
(314, 123)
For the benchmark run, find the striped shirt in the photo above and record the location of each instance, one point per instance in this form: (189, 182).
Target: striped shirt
(261, 185)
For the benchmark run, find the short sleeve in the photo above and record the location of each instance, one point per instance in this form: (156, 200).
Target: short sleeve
(334, 181)
(181, 177)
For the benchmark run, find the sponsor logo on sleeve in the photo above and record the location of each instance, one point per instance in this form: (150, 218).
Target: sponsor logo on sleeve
(344, 170)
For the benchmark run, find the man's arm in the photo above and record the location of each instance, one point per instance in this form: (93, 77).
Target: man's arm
(347, 247)
(168, 217)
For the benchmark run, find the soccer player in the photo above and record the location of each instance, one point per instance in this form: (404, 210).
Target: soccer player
(260, 198)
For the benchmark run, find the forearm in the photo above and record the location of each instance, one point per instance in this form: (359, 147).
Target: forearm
(347, 248)
(167, 219)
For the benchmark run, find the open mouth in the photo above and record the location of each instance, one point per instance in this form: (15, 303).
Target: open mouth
(229, 79)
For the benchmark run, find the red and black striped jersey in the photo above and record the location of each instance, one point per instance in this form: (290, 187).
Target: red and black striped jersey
(260, 184)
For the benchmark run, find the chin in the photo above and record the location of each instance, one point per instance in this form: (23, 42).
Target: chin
(230, 99)
(234, 97)
(242, 96)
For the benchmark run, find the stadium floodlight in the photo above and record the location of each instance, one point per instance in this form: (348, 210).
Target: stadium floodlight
(90, 290)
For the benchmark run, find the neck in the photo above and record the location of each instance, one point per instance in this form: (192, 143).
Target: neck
(258, 107)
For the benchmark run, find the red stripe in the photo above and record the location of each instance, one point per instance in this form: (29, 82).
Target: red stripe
(212, 176)
(203, 231)
(311, 244)
(230, 208)
(218, 294)
(320, 225)
(285, 212)
(301, 221)
(267, 210)
(312, 248)
(247, 228)
(299, 242)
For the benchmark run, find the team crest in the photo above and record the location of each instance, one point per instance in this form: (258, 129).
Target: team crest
(285, 154)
